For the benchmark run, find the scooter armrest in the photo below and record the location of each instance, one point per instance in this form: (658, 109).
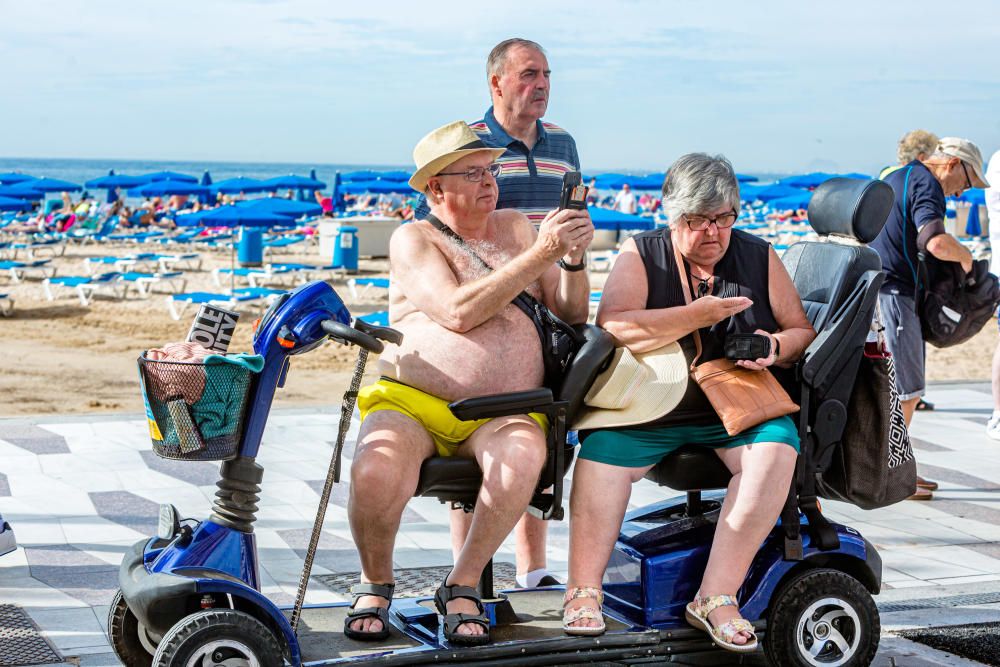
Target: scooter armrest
(502, 405)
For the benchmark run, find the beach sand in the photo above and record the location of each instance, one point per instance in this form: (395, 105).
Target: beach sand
(62, 358)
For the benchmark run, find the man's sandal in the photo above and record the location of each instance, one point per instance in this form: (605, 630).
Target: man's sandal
(580, 613)
(697, 613)
(383, 591)
(446, 594)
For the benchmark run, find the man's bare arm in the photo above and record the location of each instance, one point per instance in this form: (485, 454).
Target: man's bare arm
(946, 247)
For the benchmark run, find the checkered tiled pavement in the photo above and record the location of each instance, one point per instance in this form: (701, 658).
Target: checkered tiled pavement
(80, 490)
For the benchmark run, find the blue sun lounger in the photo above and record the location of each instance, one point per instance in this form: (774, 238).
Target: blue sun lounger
(368, 284)
(178, 303)
(379, 318)
(136, 261)
(145, 282)
(20, 270)
(87, 286)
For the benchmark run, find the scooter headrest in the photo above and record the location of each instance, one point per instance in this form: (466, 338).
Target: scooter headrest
(850, 207)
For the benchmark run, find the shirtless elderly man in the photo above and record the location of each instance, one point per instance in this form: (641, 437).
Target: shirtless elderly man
(462, 337)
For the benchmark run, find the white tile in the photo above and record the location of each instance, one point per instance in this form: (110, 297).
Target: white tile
(70, 628)
(96, 530)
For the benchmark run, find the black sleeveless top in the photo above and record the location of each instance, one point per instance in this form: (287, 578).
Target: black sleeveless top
(742, 271)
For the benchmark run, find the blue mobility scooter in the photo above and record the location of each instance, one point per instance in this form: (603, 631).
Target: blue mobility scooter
(190, 595)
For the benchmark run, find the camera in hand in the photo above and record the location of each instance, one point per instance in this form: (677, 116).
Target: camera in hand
(574, 192)
(747, 346)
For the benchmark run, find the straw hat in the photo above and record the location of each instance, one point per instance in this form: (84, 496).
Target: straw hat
(967, 152)
(444, 146)
(635, 389)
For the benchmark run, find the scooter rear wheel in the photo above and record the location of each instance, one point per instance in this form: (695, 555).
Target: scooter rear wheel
(129, 639)
(822, 618)
(218, 637)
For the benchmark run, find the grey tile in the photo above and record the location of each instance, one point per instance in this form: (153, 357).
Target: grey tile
(967, 510)
(74, 572)
(940, 474)
(34, 439)
(334, 553)
(127, 509)
(4, 486)
(340, 493)
(199, 473)
(56, 559)
(92, 588)
(924, 446)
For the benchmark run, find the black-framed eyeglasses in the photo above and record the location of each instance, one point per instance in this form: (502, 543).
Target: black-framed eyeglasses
(475, 174)
(968, 180)
(699, 223)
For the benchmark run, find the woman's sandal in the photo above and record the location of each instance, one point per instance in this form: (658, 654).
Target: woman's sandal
(579, 613)
(697, 613)
(383, 591)
(446, 594)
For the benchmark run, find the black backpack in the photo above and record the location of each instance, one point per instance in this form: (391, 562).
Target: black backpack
(955, 306)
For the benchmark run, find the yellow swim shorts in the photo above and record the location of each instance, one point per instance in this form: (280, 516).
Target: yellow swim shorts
(431, 412)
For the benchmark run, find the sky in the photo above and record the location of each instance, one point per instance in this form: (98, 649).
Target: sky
(775, 86)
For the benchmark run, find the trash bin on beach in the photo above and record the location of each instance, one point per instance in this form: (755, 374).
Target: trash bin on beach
(345, 250)
(250, 250)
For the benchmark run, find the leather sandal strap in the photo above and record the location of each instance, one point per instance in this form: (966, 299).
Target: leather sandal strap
(574, 615)
(381, 613)
(706, 605)
(728, 630)
(457, 591)
(383, 591)
(584, 592)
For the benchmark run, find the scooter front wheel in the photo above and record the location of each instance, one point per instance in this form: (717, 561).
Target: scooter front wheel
(129, 639)
(822, 618)
(218, 638)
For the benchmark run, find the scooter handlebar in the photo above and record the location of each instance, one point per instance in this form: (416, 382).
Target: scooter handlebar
(348, 335)
(382, 333)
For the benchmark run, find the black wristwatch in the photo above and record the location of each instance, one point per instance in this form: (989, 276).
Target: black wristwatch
(566, 266)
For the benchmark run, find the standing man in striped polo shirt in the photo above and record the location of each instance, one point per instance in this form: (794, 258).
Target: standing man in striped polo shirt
(532, 168)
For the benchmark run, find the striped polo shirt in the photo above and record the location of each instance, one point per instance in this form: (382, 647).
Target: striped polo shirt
(530, 180)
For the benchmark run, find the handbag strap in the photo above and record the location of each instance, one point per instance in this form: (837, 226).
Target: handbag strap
(686, 290)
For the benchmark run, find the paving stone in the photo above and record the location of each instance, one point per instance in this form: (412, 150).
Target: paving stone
(4, 486)
(199, 473)
(127, 509)
(34, 439)
(340, 493)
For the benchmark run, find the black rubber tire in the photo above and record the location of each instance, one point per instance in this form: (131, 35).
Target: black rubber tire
(192, 633)
(793, 599)
(123, 631)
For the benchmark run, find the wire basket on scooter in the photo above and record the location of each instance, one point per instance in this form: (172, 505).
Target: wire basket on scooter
(195, 410)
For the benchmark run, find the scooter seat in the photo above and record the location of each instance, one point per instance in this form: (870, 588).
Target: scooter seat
(450, 478)
(691, 468)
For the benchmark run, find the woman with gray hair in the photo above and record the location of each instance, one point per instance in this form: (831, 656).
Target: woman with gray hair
(738, 285)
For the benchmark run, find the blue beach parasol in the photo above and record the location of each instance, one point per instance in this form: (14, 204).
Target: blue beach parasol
(234, 186)
(51, 185)
(20, 191)
(973, 227)
(286, 207)
(167, 176)
(375, 187)
(791, 202)
(337, 194)
(13, 204)
(291, 181)
(606, 218)
(12, 177)
(746, 178)
(766, 193)
(234, 216)
(206, 180)
(164, 188)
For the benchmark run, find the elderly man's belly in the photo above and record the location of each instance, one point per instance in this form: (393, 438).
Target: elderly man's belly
(500, 355)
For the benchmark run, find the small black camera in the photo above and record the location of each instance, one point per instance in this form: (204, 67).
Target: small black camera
(747, 346)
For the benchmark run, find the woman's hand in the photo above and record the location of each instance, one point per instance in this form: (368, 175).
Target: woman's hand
(715, 309)
(760, 364)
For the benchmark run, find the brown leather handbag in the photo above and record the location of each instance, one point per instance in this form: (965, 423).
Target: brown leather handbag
(741, 397)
